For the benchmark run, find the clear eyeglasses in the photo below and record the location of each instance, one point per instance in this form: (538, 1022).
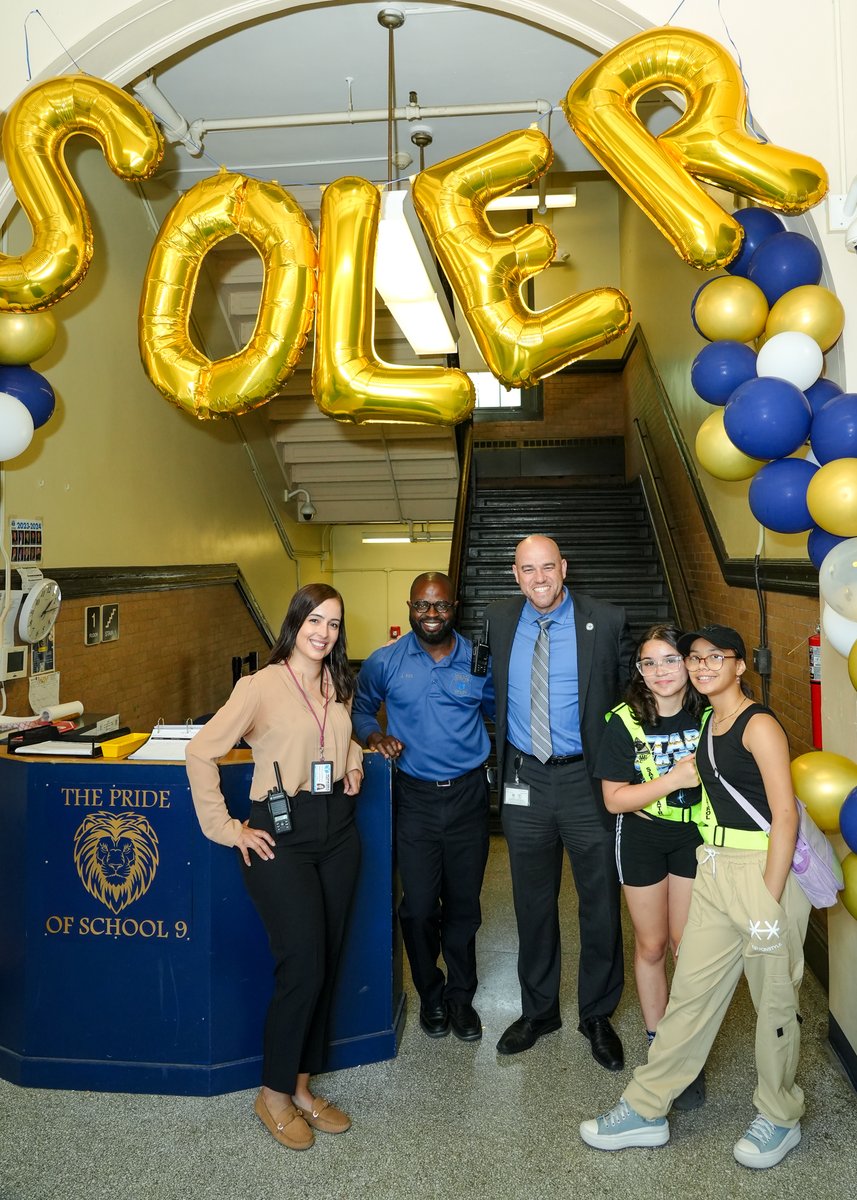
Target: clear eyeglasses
(441, 607)
(713, 661)
(648, 666)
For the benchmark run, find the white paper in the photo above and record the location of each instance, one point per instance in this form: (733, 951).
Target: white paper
(44, 691)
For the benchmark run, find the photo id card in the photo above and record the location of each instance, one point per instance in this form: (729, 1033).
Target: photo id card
(321, 778)
(517, 793)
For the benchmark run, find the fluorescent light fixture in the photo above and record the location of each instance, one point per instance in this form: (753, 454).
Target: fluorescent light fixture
(386, 541)
(406, 278)
(532, 200)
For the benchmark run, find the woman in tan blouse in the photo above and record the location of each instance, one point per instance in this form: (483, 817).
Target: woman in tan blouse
(295, 712)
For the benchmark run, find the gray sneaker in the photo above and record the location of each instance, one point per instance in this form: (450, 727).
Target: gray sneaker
(765, 1144)
(623, 1127)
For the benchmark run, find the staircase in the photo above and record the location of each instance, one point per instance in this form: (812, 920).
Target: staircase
(602, 529)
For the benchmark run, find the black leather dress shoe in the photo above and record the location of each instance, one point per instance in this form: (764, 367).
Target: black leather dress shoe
(434, 1020)
(606, 1047)
(464, 1021)
(524, 1033)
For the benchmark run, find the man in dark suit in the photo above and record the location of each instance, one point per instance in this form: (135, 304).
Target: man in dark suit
(551, 700)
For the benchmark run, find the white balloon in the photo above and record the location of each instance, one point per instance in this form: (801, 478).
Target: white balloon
(837, 578)
(840, 632)
(16, 427)
(793, 356)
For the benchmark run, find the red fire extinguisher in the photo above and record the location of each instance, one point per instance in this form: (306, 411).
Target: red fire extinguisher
(815, 687)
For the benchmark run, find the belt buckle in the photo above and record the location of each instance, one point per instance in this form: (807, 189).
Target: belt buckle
(719, 829)
(444, 783)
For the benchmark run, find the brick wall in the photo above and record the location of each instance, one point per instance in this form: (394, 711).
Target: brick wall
(791, 618)
(576, 405)
(172, 659)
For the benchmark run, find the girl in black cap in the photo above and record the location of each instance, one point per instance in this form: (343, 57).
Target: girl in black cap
(747, 913)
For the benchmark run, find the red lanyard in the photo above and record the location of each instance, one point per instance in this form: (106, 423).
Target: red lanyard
(326, 693)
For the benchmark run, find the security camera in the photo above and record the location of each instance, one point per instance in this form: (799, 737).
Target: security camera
(306, 512)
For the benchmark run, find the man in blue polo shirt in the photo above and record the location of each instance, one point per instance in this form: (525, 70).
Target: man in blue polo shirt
(437, 737)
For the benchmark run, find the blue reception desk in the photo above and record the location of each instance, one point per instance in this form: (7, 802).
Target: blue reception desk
(131, 958)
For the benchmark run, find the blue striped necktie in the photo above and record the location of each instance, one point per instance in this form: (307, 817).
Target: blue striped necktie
(540, 726)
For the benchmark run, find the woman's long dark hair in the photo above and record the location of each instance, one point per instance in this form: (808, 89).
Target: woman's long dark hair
(639, 699)
(305, 601)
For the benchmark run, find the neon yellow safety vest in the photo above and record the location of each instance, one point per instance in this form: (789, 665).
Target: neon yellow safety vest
(644, 761)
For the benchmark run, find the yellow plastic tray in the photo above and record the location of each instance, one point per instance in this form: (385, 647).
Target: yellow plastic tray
(121, 747)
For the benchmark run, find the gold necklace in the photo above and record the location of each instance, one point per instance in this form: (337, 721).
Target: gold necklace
(718, 721)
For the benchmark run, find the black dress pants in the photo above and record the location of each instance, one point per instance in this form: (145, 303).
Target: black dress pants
(303, 896)
(442, 849)
(563, 813)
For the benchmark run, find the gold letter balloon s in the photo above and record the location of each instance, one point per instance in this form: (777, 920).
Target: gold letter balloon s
(709, 141)
(217, 208)
(487, 269)
(35, 132)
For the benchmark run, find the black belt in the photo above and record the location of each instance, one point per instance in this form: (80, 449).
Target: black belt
(555, 760)
(441, 783)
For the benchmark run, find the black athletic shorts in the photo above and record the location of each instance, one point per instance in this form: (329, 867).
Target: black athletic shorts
(647, 850)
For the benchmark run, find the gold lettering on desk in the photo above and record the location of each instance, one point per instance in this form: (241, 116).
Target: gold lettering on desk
(82, 797)
(117, 927)
(138, 798)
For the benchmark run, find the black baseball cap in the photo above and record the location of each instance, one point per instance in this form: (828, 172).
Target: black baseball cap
(720, 636)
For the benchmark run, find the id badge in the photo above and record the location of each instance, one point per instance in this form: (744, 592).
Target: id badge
(321, 778)
(517, 793)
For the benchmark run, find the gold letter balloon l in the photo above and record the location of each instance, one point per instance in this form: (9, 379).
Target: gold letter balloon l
(35, 132)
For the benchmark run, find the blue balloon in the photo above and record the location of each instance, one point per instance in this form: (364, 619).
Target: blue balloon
(782, 262)
(767, 418)
(777, 495)
(696, 296)
(848, 820)
(819, 544)
(720, 368)
(759, 224)
(834, 429)
(820, 392)
(32, 389)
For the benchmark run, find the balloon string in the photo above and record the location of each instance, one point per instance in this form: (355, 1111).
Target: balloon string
(751, 120)
(35, 12)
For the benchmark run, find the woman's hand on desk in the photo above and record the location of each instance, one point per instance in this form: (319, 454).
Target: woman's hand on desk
(351, 781)
(255, 839)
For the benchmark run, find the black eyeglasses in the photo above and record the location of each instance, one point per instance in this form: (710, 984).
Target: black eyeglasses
(441, 607)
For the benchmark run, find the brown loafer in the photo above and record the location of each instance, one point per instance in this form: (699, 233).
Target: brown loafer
(326, 1117)
(288, 1127)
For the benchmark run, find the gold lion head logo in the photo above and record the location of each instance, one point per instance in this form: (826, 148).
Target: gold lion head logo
(116, 857)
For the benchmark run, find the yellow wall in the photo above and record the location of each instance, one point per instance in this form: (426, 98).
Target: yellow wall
(119, 476)
(661, 288)
(375, 581)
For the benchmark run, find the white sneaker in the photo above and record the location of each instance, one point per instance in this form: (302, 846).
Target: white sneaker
(622, 1127)
(765, 1144)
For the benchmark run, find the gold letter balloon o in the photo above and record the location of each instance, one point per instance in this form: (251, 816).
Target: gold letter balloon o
(218, 208)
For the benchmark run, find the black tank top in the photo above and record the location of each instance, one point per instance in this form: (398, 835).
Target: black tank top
(735, 763)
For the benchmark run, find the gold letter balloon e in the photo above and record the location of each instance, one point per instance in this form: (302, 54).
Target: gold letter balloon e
(35, 132)
(223, 206)
(709, 141)
(488, 269)
(349, 382)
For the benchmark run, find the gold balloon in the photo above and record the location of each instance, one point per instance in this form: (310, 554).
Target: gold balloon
(708, 142)
(487, 270)
(852, 666)
(832, 497)
(822, 781)
(849, 873)
(718, 455)
(349, 381)
(214, 209)
(809, 309)
(34, 136)
(731, 308)
(24, 337)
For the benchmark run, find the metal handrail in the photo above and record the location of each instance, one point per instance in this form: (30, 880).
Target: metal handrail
(462, 504)
(686, 612)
